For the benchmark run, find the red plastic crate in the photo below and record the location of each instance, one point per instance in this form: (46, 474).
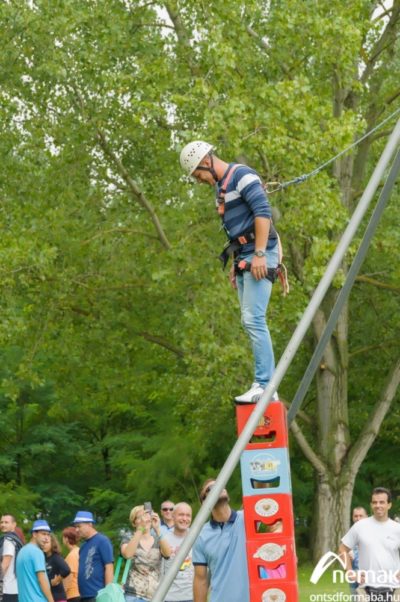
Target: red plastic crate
(273, 592)
(262, 513)
(273, 561)
(272, 429)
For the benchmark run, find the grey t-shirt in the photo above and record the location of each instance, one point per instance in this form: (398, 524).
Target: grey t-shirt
(378, 550)
(182, 586)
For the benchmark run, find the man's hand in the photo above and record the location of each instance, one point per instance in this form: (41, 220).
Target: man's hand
(259, 267)
(351, 576)
(232, 277)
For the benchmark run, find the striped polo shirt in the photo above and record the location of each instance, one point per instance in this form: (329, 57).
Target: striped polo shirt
(245, 199)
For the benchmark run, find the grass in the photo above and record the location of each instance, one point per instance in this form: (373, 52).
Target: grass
(324, 585)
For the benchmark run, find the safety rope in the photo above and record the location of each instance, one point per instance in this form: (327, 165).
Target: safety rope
(314, 172)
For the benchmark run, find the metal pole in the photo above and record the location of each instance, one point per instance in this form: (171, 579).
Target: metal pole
(282, 366)
(345, 291)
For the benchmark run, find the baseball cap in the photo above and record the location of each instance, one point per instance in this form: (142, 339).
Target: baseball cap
(82, 516)
(40, 525)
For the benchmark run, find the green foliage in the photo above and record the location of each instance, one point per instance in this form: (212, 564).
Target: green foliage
(121, 347)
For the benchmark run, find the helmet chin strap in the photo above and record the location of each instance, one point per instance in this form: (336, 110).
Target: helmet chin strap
(211, 169)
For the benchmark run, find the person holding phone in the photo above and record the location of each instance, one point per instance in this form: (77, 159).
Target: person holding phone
(145, 548)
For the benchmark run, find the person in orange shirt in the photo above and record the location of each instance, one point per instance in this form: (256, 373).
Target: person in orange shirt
(70, 540)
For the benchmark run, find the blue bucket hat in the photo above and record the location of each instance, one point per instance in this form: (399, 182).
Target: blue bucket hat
(82, 516)
(40, 525)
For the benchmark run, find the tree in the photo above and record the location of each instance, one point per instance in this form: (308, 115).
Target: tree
(112, 300)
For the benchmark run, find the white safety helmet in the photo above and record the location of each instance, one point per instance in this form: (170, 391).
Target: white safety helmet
(192, 155)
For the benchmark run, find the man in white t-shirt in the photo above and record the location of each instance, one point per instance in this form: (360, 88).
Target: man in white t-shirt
(181, 589)
(10, 546)
(378, 541)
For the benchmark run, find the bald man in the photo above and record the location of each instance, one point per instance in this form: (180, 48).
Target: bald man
(181, 589)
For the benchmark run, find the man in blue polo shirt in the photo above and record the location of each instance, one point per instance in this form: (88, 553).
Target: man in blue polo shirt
(33, 584)
(96, 559)
(220, 553)
(253, 244)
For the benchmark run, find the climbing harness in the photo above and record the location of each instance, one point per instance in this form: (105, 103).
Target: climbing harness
(280, 272)
(220, 200)
(233, 247)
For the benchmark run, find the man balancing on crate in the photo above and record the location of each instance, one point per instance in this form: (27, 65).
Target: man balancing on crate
(253, 244)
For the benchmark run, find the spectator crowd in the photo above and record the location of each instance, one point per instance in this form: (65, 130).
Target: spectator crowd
(37, 571)
(215, 570)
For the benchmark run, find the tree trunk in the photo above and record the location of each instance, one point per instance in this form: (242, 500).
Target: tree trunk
(333, 500)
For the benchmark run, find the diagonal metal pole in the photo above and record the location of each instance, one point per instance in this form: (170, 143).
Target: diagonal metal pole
(345, 291)
(283, 364)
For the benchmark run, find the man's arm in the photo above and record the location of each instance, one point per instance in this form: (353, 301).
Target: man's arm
(45, 586)
(5, 563)
(259, 264)
(344, 552)
(108, 573)
(200, 583)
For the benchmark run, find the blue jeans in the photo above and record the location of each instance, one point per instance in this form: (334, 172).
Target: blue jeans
(254, 298)
(130, 598)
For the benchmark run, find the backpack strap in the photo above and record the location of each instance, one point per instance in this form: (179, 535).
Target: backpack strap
(117, 569)
(126, 571)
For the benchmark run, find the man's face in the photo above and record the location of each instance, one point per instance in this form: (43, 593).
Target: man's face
(84, 530)
(182, 517)
(42, 539)
(167, 509)
(380, 506)
(7, 524)
(358, 514)
(204, 177)
(223, 496)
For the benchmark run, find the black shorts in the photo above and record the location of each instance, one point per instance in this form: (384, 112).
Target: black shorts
(379, 594)
(10, 597)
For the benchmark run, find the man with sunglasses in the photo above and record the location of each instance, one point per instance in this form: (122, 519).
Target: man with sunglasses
(253, 244)
(219, 554)
(167, 517)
